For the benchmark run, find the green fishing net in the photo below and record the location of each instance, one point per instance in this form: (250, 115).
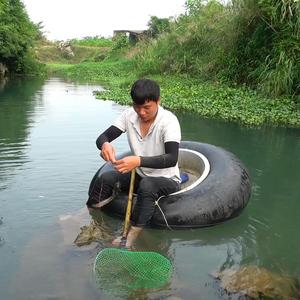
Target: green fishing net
(120, 271)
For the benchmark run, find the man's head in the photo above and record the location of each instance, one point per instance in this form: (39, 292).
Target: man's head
(145, 90)
(145, 94)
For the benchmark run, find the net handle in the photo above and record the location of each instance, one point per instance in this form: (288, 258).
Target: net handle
(128, 210)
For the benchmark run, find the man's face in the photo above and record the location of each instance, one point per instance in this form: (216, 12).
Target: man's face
(147, 111)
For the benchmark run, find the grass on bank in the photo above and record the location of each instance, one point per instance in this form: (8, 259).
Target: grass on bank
(95, 41)
(181, 93)
(50, 53)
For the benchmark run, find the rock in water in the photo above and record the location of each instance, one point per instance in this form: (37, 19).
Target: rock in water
(92, 233)
(255, 282)
(87, 231)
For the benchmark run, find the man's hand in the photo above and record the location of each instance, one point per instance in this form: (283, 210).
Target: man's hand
(108, 152)
(127, 163)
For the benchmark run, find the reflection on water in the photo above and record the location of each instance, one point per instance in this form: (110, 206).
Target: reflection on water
(16, 117)
(1, 239)
(47, 159)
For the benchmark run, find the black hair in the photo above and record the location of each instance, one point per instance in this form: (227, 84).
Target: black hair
(143, 90)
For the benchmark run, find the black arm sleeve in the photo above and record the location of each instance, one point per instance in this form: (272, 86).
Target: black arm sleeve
(167, 160)
(108, 135)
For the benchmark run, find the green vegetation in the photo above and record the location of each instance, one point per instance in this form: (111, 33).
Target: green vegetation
(158, 26)
(187, 94)
(238, 62)
(96, 41)
(89, 49)
(247, 42)
(17, 36)
(51, 53)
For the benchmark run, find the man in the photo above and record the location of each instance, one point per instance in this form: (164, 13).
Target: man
(154, 135)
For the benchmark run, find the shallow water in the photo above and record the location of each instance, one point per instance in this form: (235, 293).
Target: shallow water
(47, 159)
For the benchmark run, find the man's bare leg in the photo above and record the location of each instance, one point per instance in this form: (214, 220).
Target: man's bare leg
(131, 237)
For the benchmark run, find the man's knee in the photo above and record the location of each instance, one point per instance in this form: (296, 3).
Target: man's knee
(147, 184)
(109, 177)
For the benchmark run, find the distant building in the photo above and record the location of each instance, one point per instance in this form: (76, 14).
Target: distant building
(133, 35)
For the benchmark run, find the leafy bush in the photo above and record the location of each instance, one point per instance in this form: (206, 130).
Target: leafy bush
(17, 35)
(157, 26)
(195, 44)
(266, 50)
(120, 41)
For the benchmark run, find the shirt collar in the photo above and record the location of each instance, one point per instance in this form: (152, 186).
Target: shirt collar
(134, 119)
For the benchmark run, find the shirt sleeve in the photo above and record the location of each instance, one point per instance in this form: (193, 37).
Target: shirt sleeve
(121, 121)
(172, 131)
(108, 135)
(167, 160)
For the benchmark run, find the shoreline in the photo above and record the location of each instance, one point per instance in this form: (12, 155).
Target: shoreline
(187, 94)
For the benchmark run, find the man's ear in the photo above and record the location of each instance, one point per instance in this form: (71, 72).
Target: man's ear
(158, 101)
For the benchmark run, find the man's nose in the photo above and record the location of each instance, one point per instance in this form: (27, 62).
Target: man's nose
(142, 112)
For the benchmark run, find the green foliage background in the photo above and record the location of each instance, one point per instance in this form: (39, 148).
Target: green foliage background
(237, 61)
(92, 41)
(17, 36)
(252, 42)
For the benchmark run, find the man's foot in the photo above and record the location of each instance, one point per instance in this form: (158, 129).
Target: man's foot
(117, 241)
(131, 237)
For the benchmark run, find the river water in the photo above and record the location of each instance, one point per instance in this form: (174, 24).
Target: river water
(47, 159)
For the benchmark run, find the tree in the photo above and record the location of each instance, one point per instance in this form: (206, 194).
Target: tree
(157, 26)
(193, 6)
(17, 35)
(40, 34)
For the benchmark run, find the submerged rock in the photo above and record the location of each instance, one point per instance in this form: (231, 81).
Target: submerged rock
(92, 233)
(253, 282)
(85, 229)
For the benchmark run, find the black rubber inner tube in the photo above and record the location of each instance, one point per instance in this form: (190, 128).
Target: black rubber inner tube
(222, 195)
